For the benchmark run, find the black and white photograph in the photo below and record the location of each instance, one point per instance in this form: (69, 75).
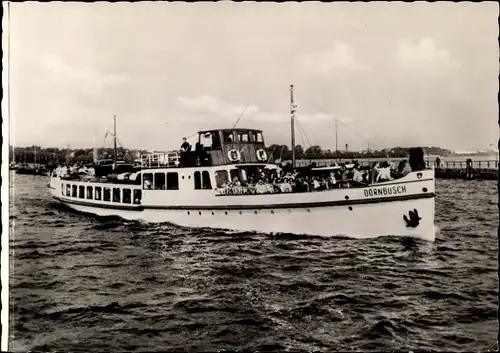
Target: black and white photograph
(250, 176)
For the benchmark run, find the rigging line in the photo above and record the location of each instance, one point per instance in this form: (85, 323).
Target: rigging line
(241, 115)
(303, 131)
(301, 136)
(271, 154)
(364, 138)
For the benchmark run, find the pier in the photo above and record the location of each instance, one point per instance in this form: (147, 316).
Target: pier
(447, 169)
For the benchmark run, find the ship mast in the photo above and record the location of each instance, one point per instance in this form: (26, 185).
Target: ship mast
(114, 139)
(292, 123)
(336, 142)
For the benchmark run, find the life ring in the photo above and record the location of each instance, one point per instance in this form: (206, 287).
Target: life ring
(261, 155)
(234, 155)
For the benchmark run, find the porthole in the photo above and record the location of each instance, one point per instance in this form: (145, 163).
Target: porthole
(189, 176)
(183, 177)
(240, 212)
(350, 208)
(212, 213)
(346, 197)
(189, 213)
(255, 212)
(272, 211)
(199, 213)
(225, 213)
(424, 189)
(308, 210)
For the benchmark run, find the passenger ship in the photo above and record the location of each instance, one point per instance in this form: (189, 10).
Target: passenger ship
(187, 189)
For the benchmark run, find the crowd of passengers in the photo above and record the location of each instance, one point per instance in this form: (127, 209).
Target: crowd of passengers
(64, 170)
(342, 176)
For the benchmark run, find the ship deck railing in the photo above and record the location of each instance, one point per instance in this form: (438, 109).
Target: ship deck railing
(160, 159)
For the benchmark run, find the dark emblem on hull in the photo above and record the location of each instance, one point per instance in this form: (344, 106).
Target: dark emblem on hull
(414, 220)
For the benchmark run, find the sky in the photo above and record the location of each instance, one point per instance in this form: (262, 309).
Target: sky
(392, 74)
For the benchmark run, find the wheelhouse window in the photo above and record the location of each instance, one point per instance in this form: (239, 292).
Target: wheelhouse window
(97, 193)
(90, 189)
(116, 194)
(172, 181)
(107, 194)
(243, 137)
(221, 178)
(137, 196)
(159, 183)
(228, 136)
(258, 137)
(147, 181)
(207, 184)
(68, 190)
(74, 191)
(127, 196)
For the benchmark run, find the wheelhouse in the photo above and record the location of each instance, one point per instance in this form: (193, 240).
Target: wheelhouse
(215, 148)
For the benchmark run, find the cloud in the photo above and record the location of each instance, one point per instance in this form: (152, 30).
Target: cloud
(206, 104)
(220, 111)
(340, 57)
(425, 53)
(88, 79)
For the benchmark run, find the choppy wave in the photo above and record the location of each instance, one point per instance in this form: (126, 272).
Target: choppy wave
(80, 282)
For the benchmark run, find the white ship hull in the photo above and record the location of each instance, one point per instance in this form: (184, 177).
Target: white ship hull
(378, 210)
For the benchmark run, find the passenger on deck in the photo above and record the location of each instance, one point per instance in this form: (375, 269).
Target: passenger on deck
(358, 176)
(404, 168)
(374, 172)
(185, 147)
(384, 173)
(285, 186)
(332, 181)
(345, 179)
(315, 184)
(260, 187)
(236, 187)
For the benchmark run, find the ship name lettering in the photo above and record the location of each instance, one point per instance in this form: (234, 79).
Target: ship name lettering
(385, 191)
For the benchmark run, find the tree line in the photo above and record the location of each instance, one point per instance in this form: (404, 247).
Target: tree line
(48, 156)
(284, 152)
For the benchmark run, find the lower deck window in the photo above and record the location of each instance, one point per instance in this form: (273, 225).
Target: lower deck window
(68, 190)
(137, 196)
(74, 191)
(81, 192)
(97, 193)
(221, 178)
(159, 181)
(147, 181)
(90, 190)
(206, 180)
(107, 194)
(127, 196)
(116, 195)
(172, 181)
(62, 189)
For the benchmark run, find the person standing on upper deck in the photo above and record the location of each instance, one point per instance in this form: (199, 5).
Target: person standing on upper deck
(185, 147)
